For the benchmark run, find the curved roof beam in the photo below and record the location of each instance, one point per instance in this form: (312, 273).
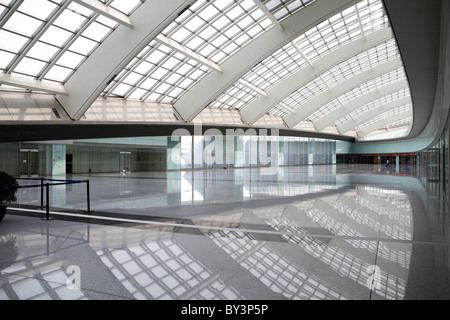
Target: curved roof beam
(201, 95)
(106, 11)
(269, 14)
(357, 121)
(322, 99)
(335, 115)
(383, 123)
(125, 43)
(255, 110)
(30, 84)
(187, 52)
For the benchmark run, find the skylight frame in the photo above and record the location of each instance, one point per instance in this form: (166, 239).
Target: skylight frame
(283, 9)
(218, 47)
(312, 45)
(387, 115)
(377, 104)
(235, 98)
(80, 40)
(350, 68)
(151, 65)
(385, 80)
(287, 59)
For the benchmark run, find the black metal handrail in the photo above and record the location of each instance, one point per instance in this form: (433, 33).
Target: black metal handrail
(56, 182)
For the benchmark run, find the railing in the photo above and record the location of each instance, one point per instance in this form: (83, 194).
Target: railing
(54, 182)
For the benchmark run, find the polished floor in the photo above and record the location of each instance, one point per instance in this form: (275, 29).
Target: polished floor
(342, 232)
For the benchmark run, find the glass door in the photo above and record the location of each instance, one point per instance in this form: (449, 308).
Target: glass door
(29, 163)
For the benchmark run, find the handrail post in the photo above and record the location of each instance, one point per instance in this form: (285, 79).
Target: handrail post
(42, 193)
(47, 187)
(88, 196)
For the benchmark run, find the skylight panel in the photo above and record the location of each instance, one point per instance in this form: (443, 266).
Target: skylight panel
(107, 22)
(171, 63)
(164, 74)
(281, 9)
(236, 97)
(279, 111)
(121, 90)
(217, 29)
(81, 10)
(360, 63)
(23, 24)
(30, 66)
(223, 4)
(58, 74)
(286, 60)
(387, 115)
(391, 77)
(5, 59)
(40, 9)
(325, 110)
(306, 93)
(70, 60)
(380, 102)
(209, 13)
(56, 36)
(74, 34)
(359, 91)
(126, 6)
(42, 51)
(11, 42)
(137, 94)
(70, 21)
(132, 78)
(347, 26)
(391, 134)
(83, 46)
(97, 32)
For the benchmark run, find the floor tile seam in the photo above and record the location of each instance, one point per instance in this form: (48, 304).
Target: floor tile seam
(41, 278)
(215, 228)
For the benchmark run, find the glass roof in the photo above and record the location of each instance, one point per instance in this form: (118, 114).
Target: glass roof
(48, 40)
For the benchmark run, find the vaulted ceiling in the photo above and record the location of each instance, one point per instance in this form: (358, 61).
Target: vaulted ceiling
(323, 66)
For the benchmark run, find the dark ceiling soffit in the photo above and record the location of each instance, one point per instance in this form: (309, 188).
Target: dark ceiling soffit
(417, 28)
(11, 133)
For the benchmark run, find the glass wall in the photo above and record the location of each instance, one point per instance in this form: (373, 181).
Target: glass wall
(26, 159)
(103, 159)
(433, 164)
(181, 153)
(200, 152)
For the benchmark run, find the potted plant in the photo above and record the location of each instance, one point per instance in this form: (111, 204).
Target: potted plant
(8, 251)
(8, 191)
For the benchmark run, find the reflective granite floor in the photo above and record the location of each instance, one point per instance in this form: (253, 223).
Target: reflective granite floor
(344, 232)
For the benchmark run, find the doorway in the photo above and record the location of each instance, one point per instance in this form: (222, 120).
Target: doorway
(125, 161)
(29, 162)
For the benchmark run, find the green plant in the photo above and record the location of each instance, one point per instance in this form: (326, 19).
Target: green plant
(8, 191)
(8, 251)
(9, 182)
